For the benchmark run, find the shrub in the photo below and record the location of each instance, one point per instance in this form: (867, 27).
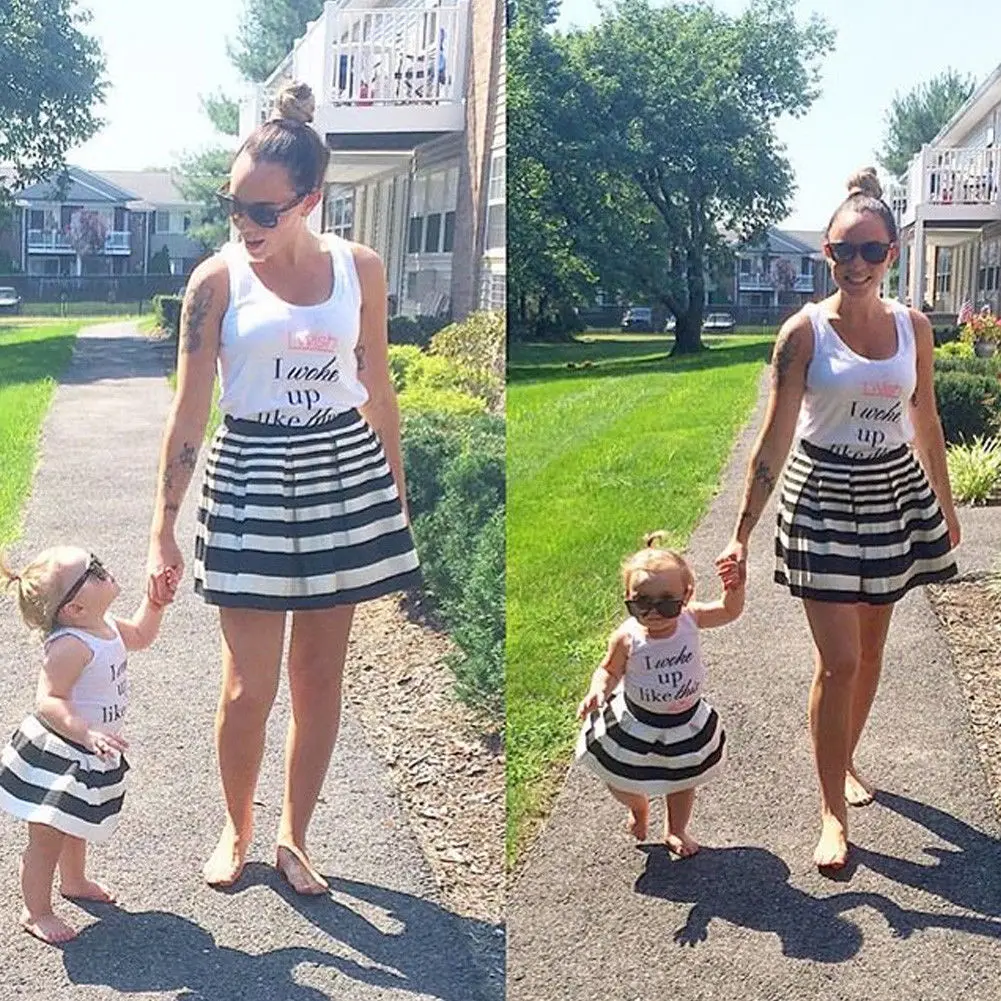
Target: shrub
(402, 358)
(968, 363)
(415, 329)
(954, 349)
(477, 342)
(479, 614)
(967, 404)
(975, 469)
(167, 313)
(425, 399)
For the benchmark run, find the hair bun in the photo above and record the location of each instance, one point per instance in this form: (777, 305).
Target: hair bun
(865, 182)
(295, 102)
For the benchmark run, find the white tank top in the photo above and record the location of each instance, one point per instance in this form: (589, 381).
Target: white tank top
(664, 674)
(101, 693)
(854, 405)
(286, 364)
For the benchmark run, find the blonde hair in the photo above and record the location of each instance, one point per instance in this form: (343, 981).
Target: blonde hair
(37, 590)
(653, 559)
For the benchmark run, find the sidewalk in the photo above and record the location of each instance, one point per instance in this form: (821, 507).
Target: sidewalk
(380, 935)
(916, 917)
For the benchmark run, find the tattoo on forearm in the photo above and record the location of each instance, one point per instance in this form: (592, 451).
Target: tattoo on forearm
(193, 319)
(183, 464)
(785, 354)
(744, 518)
(360, 357)
(764, 476)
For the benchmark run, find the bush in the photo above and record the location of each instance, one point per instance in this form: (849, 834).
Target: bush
(477, 342)
(967, 404)
(975, 470)
(954, 349)
(479, 613)
(167, 313)
(425, 399)
(402, 358)
(956, 362)
(415, 329)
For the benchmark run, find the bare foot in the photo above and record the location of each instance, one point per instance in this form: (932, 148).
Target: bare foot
(296, 870)
(47, 927)
(832, 849)
(858, 792)
(681, 843)
(225, 864)
(638, 822)
(86, 889)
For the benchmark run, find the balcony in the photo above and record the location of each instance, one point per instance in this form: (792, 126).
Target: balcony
(757, 282)
(54, 241)
(950, 184)
(803, 283)
(384, 77)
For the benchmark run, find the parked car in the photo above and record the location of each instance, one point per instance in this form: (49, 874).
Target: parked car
(10, 301)
(638, 318)
(718, 323)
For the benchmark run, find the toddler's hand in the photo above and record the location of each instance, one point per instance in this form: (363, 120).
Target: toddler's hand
(729, 573)
(161, 587)
(588, 705)
(105, 744)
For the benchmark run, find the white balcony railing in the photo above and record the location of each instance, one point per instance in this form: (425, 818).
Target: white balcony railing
(358, 55)
(758, 282)
(56, 241)
(963, 176)
(803, 283)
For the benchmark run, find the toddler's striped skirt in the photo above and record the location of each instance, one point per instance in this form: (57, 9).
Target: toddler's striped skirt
(47, 779)
(299, 518)
(859, 529)
(635, 750)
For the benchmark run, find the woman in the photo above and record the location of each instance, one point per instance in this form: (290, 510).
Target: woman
(860, 520)
(302, 508)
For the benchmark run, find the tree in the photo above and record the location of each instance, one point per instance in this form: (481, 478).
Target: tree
(919, 115)
(223, 112)
(200, 177)
(673, 113)
(51, 76)
(267, 32)
(159, 263)
(87, 233)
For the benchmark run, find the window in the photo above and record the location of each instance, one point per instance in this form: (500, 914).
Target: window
(745, 265)
(187, 221)
(805, 266)
(943, 271)
(432, 233)
(496, 228)
(449, 239)
(36, 219)
(162, 224)
(338, 211)
(414, 235)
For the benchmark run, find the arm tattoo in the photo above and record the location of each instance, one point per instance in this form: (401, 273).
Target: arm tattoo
(785, 353)
(764, 476)
(193, 319)
(184, 464)
(360, 357)
(745, 517)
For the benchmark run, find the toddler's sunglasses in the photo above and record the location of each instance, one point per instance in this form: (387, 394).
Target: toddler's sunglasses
(641, 605)
(265, 214)
(872, 251)
(95, 568)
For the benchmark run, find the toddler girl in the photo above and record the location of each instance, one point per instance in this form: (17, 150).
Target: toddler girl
(64, 769)
(647, 730)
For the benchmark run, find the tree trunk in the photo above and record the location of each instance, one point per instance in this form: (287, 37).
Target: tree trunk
(688, 333)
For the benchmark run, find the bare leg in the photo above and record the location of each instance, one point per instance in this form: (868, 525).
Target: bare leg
(835, 629)
(73, 882)
(677, 814)
(317, 652)
(38, 867)
(639, 811)
(874, 623)
(251, 659)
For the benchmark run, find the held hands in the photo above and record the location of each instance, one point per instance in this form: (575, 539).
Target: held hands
(105, 744)
(731, 565)
(165, 567)
(161, 587)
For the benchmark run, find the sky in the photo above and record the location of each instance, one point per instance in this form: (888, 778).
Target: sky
(883, 48)
(160, 57)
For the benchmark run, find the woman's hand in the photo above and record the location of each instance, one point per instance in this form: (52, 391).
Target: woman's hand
(164, 554)
(952, 520)
(161, 587)
(731, 564)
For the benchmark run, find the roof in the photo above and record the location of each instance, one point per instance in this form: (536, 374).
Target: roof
(789, 241)
(158, 187)
(82, 186)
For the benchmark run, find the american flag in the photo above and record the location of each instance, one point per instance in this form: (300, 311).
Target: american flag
(965, 313)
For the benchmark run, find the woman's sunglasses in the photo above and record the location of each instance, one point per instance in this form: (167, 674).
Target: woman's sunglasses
(264, 214)
(641, 605)
(95, 569)
(872, 251)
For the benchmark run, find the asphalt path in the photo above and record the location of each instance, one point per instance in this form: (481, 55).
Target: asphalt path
(380, 934)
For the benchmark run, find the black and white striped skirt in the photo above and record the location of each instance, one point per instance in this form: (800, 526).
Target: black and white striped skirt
(300, 518)
(656, 754)
(859, 529)
(47, 779)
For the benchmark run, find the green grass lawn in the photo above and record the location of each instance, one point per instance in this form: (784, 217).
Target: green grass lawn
(32, 358)
(597, 455)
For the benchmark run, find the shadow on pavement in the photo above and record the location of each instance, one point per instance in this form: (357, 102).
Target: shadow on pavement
(967, 876)
(749, 887)
(403, 943)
